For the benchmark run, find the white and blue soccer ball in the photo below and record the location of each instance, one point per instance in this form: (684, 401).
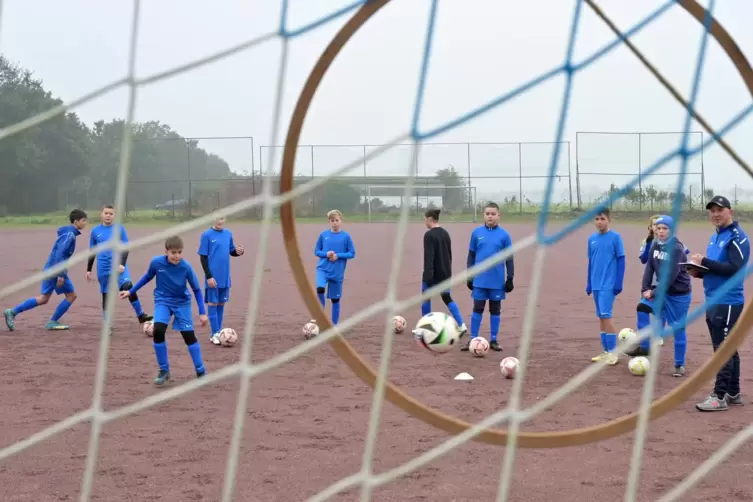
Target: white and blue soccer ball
(437, 332)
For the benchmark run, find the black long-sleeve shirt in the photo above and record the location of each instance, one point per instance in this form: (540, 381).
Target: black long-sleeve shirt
(437, 256)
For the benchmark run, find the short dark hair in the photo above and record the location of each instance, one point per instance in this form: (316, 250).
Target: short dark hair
(605, 212)
(77, 214)
(433, 214)
(173, 243)
(492, 205)
(108, 206)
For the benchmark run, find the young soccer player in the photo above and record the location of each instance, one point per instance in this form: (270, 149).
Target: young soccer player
(333, 248)
(215, 249)
(493, 284)
(62, 250)
(438, 265)
(172, 299)
(678, 295)
(101, 234)
(606, 271)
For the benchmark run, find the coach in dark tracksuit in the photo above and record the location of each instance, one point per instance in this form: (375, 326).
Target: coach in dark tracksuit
(728, 252)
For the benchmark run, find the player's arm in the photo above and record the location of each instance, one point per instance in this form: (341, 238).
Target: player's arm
(429, 251)
(319, 249)
(509, 268)
(620, 254)
(66, 243)
(124, 240)
(92, 244)
(471, 260)
(204, 255)
(590, 268)
(148, 276)
(645, 250)
(350, 250)
(193, 281)
(233, 250)
(648, 276)
(737, 251)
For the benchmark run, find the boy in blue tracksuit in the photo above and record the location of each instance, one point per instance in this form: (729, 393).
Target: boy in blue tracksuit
(679, 291)
(334, 248)
(62, 250)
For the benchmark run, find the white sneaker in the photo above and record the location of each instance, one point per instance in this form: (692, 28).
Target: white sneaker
(215, 339)
(462, 330)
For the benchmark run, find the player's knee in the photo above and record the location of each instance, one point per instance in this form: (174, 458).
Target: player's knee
(335, 300)
(71, 297)
(160, 329)
(478, 306)
(446, 298)
(495, 307)
(43, 299)
(189, 337)
(642, 307)
(320, 291)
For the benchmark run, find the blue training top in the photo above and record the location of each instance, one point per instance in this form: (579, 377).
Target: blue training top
(171, 287)
(606, 261)
(678, 278)
(217, 246)
(64, 247)
(101, 234)
(485, 243)
(728, 251)
(342, 245)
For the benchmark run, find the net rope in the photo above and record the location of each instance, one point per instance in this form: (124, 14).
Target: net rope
(513, 414)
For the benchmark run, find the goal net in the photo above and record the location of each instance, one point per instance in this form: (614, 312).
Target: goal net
(360, 471)
(386, 202)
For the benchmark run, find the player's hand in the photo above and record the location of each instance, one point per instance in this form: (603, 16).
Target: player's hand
(60, 282)
(509, 286)
(588, 290)
(330, 253)
(203, 320)
(648, 294)
(88, 277)
(212, 283)
(121, 269)
(697, 258)
(469, 283)
(333, 256)
(239, 250)
(124, 294)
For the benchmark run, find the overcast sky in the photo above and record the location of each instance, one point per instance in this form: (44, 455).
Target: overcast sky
(482, 49)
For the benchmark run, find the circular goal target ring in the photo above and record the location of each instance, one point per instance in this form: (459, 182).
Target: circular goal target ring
(416, 408)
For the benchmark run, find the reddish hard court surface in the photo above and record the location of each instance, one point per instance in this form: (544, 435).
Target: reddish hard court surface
(307, 420)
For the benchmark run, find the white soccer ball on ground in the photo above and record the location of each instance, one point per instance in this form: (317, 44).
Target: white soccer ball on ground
(478, 346)
(627, 334)
(639, 366)
(437, 332)
(310, 329)
(399, 323)
(509, 367)
(148, 328)
(228, 337)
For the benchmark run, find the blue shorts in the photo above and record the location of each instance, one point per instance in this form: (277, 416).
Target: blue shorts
(334, 288)
(216, 295)
(122, 279)
(483, 294)
(50, 285)
(604, 301)
(182, 316)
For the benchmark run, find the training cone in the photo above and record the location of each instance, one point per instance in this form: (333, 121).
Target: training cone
(464, 377)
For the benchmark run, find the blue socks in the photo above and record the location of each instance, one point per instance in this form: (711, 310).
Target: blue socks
(213, 318)
(604, 341)
(455, 311)
(322, 300)
(681, 342)
(160, 351)
(25, 305)
(643, 319)
(137, 308)
(610, 340)
(195, 351)
(220, 315)
(335, 312)
(475, 323)
(61, 309)
(425, 307)
(494, 321)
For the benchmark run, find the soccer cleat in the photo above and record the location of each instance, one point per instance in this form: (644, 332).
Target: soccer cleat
(199, 375)
(215, 339)
(9, 316)
(638, 351)
(145, 318)
(162, 377)
(679, 371)
(610, 359)
(495, 346)
(466, 346)
(712, 403)
(56, 326)
(736, 400)
(599, 358)
(462, 330)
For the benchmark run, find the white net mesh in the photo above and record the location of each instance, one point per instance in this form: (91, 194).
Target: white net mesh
(514, 415)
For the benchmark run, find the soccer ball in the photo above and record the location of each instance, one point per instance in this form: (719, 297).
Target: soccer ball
(437, 332)
(228, 337)
(509, 367)
(148, 328)
(399, 323)
(627, 335)
(478, 346)
(639, 366)
(310, 329)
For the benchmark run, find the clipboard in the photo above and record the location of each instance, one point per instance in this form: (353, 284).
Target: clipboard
(696, 267)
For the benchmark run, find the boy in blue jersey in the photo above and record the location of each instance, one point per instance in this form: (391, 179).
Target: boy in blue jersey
(173, 299)
(101, 234)
(493, 284)
(215, 249)
(333, 248)
(727, 253)
(606, 271)
(62, 250)
(679, 291)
